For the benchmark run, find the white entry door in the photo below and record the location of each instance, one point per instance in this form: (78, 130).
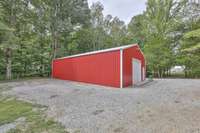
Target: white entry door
(136, 70)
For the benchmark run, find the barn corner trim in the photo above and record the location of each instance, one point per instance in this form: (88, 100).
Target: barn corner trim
(121, 68)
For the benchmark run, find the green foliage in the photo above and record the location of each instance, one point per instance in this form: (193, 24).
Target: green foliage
(192, 34)
(160, 29)
(189, 54)
(3, 27)
(136, 30)
(32, 32)
(160, 21)
(104, 32)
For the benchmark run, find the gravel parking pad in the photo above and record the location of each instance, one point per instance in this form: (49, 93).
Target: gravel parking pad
(164, 105)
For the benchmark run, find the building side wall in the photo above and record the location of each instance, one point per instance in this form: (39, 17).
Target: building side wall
(128, 55)
(102, 68)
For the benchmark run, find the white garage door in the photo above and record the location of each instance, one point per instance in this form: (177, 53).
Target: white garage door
(136, 70)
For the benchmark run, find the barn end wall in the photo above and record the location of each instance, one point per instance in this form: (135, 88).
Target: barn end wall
(128, 55)
(101, 68)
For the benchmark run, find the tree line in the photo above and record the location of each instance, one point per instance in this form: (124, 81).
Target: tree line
(34, 32)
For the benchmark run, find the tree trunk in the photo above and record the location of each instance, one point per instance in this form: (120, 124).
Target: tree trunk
(164, 72)
(8, 50)
(8, 64)
(54, 31)
(185, 73)
(55, 44)
(168, 72)
(161, 73)
(158, 72)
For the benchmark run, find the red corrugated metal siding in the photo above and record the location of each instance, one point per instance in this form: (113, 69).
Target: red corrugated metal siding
(128, 54)
(101, 68)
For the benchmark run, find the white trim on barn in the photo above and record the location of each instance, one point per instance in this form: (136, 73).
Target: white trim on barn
(121, 68)
(100, 51)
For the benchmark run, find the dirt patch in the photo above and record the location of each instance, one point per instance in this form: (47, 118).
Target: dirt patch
(98, 112)
(53, 96)
(119, 130)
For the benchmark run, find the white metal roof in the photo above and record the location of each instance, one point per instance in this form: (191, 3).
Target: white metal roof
(100, 51)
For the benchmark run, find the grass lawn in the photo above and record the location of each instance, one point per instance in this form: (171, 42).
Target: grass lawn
(10, 110)
(35, 119)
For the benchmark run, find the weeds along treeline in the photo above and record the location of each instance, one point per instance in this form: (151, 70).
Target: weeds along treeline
(33, 32)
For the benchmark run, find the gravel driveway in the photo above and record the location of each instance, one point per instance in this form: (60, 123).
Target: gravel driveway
(162, 106)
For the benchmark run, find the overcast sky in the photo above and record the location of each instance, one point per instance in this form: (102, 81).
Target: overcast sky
(124, 9)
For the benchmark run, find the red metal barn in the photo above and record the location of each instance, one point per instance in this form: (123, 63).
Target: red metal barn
(117, 67)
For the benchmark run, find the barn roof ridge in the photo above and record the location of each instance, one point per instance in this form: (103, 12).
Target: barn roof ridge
(100, 51)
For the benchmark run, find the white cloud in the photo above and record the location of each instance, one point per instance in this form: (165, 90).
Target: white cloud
(124, 9)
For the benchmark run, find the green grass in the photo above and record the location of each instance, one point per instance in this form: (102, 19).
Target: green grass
(4, 88)
(10, 110)
(35, 119)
